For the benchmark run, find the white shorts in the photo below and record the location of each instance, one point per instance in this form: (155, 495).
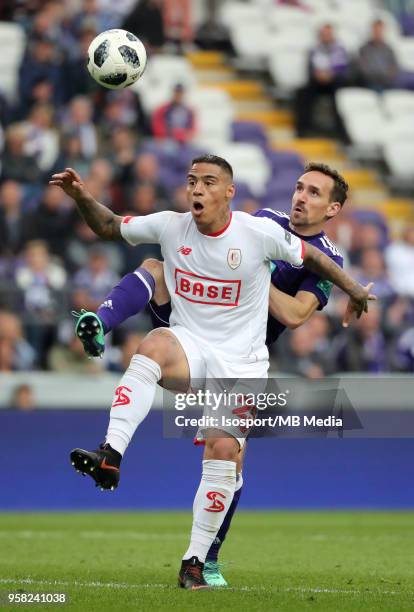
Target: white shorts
(206, 364)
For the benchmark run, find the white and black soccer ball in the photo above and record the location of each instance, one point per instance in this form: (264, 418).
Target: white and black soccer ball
(116, 59)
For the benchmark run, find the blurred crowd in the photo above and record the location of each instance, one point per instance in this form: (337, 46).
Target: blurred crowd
(50, 261)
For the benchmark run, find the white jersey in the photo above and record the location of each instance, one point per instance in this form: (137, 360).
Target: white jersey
(219, 284)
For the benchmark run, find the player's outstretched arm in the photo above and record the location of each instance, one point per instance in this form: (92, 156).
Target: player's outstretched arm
(322, 265)
(292, 311)
(100, 219)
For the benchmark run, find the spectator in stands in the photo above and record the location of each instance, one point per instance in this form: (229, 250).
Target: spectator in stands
(146, 21)
(91, 15)
(41, 92)
(146, 171)
(69, 357)
(329, 66)
(79, 122)
(41, 62)
(211, 34)
(403, 357)
(17, 164)
(42, 283)
(102, 174)
(363, 348)
(303, 355)
(124, 109)
(399, 256)
(78, 79)
(7, 8)
(372, 269)
(177, 20)
(175, 119)
(179, 202)
(12, 225)
(42, 139)
(377, 62)
(71, 155)
(53, 221)
(144, 200)
(22, 398)
(47, 22)
(122, 155)
(15, 352)
(80, 242)
(97, 278)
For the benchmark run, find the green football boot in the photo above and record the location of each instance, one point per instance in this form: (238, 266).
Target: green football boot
(212, 574)
(90, 331)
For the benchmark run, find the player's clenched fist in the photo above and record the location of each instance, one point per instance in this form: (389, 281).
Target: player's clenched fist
(70, 182)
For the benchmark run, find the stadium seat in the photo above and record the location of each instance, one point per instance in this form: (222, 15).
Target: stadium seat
(404, 49)
(350, 37)
(209, 98)
(398, 129)
(362, 114)
(212, 127)
(288, 69)
(162, 73)
(232, 14)
(249, 131)
(399, 157)
(283, 161)
(398, 103)
(354, 100)
(365, 129)
(304, 40)
(12, 47)
(251, 40)
(249, 164)
(287, 19)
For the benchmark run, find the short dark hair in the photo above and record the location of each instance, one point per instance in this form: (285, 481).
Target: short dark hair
(216, 160)
(339, 191)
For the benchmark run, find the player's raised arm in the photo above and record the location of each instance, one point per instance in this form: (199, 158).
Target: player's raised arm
(322, 265)
(100, 219)
(292, 311)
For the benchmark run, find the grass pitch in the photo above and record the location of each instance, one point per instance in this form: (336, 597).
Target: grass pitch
(273, 561)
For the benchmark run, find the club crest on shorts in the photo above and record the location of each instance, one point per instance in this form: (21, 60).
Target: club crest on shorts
(234, 258)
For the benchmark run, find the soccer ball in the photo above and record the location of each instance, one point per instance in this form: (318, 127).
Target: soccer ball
(116, 59)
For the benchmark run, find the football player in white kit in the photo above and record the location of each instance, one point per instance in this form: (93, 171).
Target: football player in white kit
(216, 267)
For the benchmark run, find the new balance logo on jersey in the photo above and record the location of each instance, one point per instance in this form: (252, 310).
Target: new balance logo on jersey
(107, 304)
(204, 290)
(217, 505)
(121, 398)
(184, 250)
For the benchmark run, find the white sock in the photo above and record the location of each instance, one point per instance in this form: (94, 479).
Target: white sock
(239, 481)
(211, 503)
(132, 401)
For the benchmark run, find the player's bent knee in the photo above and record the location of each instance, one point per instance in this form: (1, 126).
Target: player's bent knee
(154, 267)
(223, 448)
(154, 347)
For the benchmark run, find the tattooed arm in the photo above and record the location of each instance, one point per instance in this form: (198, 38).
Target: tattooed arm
(322, 265)
(100, 219)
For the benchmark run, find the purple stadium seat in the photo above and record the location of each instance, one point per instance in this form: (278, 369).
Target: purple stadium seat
(243, 192)
(285, 160)
(405, 80)
(407, 23)
(249, 131)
